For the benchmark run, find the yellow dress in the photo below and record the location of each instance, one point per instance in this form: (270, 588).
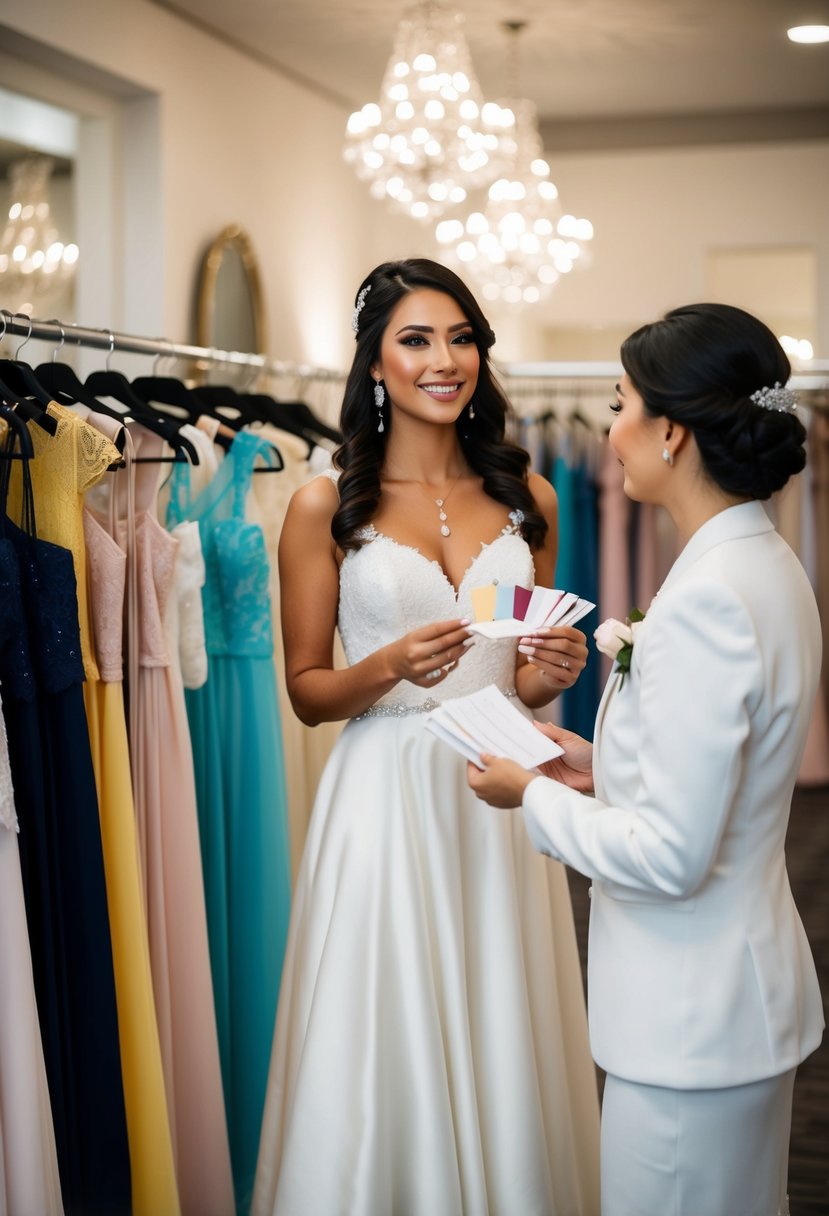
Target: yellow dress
(65, 466)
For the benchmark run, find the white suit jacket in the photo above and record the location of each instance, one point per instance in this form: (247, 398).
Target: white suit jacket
(699, 972)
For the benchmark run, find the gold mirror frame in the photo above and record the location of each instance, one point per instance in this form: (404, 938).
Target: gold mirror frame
(236, 239)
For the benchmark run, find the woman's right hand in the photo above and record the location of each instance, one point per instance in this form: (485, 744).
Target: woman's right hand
(427, 655)
(575, 767)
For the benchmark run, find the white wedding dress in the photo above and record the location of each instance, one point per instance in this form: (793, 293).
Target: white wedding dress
(430, 1055)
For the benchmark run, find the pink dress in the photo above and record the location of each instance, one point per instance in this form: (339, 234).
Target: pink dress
(168, 836)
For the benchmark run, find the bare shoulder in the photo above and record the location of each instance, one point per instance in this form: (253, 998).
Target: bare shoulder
(306, 528)
(545, 496)
(315, 502)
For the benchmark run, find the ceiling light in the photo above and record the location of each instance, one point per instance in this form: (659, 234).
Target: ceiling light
(35, 265)
(518, 244)
(430, 137)
(809, 33)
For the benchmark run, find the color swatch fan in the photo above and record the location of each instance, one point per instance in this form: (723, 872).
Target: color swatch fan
(505, 610)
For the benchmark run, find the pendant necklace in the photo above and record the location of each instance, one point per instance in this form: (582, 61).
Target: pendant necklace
(440, 503)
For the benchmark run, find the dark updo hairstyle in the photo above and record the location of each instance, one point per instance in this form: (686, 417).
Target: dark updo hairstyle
(698, 366)
(502, 465)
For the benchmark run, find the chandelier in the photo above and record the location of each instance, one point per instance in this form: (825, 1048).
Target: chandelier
(519, 243)
(430, 137)
(34, 264)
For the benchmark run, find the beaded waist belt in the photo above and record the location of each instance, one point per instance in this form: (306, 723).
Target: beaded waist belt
(401, 710)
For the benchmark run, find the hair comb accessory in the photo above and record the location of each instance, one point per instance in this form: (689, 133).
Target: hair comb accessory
(355, 316)
(776, 398)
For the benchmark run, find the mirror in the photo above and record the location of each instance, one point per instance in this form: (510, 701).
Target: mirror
(230, 311)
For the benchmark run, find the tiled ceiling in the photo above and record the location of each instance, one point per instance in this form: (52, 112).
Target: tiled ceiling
(578, 60)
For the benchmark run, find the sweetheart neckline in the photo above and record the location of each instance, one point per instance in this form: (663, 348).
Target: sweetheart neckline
(375, 534)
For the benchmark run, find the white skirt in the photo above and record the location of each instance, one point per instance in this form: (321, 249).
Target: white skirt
(696, 1152)
(431, 1054)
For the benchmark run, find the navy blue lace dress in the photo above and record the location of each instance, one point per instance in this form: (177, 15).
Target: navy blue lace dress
(41, 672)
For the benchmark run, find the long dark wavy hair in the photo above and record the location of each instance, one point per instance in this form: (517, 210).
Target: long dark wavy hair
(503, 465)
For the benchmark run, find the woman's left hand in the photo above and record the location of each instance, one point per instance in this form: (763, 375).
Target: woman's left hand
(558, 653)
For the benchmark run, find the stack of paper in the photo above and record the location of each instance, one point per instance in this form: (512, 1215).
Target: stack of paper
(504, 610)
(487, 721)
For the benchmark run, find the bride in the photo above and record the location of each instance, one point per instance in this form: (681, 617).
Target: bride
(430, 1055)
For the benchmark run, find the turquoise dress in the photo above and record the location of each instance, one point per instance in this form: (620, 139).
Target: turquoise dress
(240, 790)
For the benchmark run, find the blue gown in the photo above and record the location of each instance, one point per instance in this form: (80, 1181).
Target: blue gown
(240, 791)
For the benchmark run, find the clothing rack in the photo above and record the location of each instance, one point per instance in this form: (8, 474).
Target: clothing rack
(816, 375)
(105, 339)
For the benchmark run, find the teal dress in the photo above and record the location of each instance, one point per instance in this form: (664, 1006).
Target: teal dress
(240, 791)
(577, 569)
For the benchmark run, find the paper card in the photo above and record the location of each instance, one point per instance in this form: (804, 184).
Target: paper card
(509, 628)
(483, 602)
(579, 609)
(504, 601)
(487, 721)
(521, 602)
(567, 600)
(542, 602)
(454, 737)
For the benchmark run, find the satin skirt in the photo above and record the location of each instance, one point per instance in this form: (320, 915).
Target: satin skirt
(431, 1051)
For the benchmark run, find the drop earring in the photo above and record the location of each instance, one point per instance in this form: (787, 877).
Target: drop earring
(471, 409)
(379, 398)
(667, 457)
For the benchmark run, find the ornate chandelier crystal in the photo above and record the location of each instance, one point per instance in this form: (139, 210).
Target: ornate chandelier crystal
(35, 265)
(519, 244)
(431, 137)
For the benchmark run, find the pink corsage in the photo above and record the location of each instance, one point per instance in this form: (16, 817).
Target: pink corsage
(616, 638)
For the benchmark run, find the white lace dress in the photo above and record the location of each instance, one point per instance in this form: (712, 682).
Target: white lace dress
(430, 1054)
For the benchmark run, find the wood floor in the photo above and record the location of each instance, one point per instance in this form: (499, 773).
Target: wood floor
(807, 851)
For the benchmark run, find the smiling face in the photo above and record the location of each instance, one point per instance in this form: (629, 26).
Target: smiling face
(638, 438)
(428, 359)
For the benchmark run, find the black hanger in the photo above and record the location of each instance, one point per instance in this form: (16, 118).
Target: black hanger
(167, 390)
(16, 424)
(222, 401)
(216, 400)
(20, 387)
(61, 381)
(116, 385)
(297, 413)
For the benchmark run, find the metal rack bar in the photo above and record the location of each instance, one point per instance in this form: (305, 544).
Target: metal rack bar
(109, 340)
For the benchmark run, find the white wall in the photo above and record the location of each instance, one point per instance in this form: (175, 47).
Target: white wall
(207, 137)
(203, 136)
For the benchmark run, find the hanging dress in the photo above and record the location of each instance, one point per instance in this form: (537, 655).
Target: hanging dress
(306, 748)
(62, 862)
(240, 791)
(168, 833)
(431, 1052)
(65, 466)
(29, 1178)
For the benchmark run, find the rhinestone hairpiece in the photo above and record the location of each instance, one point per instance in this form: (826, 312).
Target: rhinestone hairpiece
(355, 316)
(776, 398)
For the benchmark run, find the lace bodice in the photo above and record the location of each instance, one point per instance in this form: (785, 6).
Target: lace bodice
(186, 605)
(236, 595)
(106, 564)
(65, 466)
(388, 589)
